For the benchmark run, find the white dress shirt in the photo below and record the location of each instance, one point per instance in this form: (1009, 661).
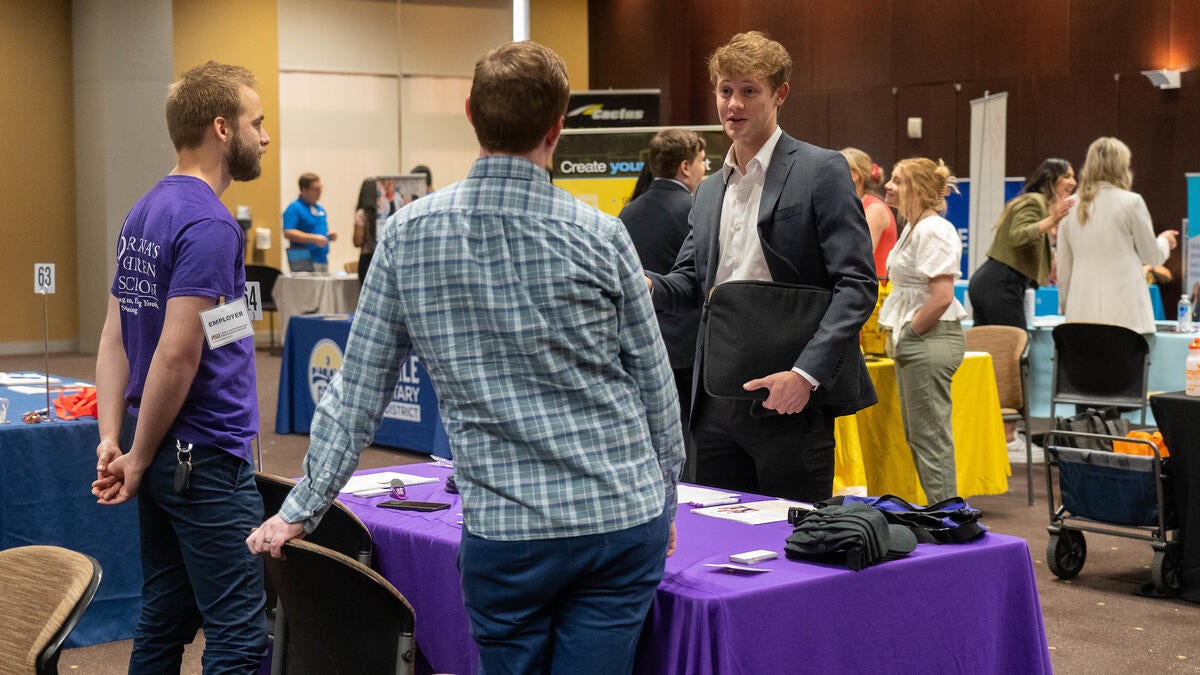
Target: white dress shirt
(742, 256)
(741, 250)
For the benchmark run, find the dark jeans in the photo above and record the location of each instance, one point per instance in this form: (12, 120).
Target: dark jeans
(997, 294)
(788, 456)
(196, 569)
(575, 605)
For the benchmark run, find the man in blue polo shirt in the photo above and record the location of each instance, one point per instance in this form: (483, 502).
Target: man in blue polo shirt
(304, 225)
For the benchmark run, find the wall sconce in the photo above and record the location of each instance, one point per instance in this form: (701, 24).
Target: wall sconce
(1163, 79)
(914, 127)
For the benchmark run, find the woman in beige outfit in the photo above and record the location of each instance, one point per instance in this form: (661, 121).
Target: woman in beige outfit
(1103, 243)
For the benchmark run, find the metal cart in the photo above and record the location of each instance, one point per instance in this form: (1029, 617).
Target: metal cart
(1109, 493)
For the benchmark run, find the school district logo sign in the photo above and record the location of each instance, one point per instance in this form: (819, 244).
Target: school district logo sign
(324, 361)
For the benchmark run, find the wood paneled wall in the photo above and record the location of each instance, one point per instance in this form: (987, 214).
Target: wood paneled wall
(862, 67)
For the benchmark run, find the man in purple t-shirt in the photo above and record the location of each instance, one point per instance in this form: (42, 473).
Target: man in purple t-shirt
(187, 375)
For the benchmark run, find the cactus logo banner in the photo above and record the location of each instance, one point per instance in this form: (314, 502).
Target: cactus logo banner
(608, 108)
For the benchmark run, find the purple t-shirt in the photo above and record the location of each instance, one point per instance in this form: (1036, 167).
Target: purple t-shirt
(180, 240)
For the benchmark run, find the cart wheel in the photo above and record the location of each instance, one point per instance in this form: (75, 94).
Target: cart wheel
(1065, 553)
(1164, 573)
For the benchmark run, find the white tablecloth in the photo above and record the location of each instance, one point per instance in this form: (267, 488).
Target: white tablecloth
(315, 294)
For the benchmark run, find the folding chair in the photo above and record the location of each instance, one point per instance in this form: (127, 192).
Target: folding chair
(1100, 365)
(340, 530)
(266, 276)
(343, 617)
(1009, 347)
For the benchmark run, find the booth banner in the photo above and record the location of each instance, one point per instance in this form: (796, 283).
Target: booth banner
(958, 213)
(395, 191)
(989, 131)
(608, 108)
(407, 404)
(1191, 241)
(601, 166)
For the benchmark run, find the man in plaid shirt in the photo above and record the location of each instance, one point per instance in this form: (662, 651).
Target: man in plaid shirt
(530, 312)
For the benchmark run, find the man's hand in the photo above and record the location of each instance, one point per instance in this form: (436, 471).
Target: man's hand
(119, 481)
(333, 236)
(649, 284)
(790, 392)
(671, 541)
(271, 535)
(106, 452)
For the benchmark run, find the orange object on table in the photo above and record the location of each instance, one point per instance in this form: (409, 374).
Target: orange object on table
(81, 404)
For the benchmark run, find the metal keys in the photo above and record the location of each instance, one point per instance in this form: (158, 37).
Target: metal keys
(183, 472)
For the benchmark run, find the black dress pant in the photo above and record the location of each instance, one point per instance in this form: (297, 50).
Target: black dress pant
(997, 294)
(743, 448)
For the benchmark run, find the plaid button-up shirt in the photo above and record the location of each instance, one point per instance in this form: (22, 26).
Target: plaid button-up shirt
(530, 312)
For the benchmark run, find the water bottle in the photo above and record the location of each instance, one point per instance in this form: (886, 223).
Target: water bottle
(1192, 375)
(1183, 317)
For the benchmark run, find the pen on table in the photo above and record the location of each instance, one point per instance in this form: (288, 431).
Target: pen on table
(718, 501)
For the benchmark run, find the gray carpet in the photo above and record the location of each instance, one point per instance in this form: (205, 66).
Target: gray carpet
(1094, 623)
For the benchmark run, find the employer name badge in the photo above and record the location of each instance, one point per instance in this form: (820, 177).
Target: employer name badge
(226, 323)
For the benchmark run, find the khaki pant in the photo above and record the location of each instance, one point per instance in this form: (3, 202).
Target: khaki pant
(925, 364)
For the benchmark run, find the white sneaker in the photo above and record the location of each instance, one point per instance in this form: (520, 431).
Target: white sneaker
(1016, 450)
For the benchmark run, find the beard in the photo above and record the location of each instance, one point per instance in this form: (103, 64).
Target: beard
(245, 161)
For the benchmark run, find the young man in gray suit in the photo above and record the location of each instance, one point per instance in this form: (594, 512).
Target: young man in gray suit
(785, 211)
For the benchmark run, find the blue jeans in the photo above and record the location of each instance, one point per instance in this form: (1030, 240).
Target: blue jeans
(574, 605)
(196, 569)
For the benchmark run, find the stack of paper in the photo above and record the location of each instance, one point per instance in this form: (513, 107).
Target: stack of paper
(754, 513)
(15, 379)
(375, 484)
(702, 496)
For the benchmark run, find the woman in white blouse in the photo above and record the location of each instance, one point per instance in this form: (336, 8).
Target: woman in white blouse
(1103, 243)
(924, 319)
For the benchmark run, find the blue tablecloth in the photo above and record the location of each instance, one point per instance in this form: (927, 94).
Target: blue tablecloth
(1046, 299)
(1046, 302)
(46, 472)
(312, 353)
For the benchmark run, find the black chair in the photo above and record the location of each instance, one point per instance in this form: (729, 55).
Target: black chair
(343, 617)
(266, 275)
(1100, 365)
(44, 591)
(340, 530)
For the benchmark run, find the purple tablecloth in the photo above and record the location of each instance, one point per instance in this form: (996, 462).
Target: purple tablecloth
(955, 608)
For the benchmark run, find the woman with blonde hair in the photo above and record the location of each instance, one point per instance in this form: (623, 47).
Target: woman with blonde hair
(867, 177)
(924, 318)
(1104, 241)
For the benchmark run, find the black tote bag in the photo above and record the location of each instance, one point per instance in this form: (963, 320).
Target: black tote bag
(756, 328)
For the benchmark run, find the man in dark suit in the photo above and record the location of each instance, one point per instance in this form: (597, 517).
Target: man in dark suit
(657, 221)
(785, 211)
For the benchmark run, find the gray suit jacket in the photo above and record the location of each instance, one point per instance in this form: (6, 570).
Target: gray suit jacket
(813, 231)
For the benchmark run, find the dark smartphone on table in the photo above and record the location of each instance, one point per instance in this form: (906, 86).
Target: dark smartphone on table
(408, 505)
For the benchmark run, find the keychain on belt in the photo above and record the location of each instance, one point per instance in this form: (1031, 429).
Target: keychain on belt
(183, 472)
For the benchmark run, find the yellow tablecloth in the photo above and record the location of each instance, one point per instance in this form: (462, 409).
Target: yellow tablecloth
(871, 450)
